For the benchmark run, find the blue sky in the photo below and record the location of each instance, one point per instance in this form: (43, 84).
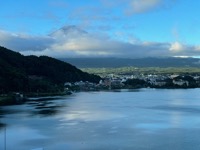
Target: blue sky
(121, 28)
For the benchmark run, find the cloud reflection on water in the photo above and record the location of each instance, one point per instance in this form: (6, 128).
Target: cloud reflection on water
(92, 115)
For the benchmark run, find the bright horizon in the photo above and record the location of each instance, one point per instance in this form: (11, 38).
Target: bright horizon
(120, 28)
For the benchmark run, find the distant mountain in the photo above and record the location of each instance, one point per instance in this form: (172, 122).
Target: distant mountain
(126, 62)
(68, 30)
(36, 74)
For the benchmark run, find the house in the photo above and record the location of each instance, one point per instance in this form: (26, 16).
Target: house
(180, 82)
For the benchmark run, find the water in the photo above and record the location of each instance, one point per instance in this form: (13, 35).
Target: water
(146, 119)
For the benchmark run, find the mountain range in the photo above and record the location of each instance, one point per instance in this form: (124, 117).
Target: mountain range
(127, 62)
(66, 30)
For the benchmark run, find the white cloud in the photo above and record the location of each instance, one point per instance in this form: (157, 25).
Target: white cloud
(177, 47)
(197, 48)
(140, 6)
(24, 42)
(74, 42)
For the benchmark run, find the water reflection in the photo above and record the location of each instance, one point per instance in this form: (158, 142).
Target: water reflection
(147, 119)
(5, 111)
(125, 90)
(183, 109)
(45, 113)
(95, 115)
(46, 108)
(2, 126)
(45, 98)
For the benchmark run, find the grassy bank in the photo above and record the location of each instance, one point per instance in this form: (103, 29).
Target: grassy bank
(142, 70)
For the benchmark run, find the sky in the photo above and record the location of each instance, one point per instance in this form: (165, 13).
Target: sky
(101, 28)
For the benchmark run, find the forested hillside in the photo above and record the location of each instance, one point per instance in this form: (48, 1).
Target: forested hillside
(36, 74)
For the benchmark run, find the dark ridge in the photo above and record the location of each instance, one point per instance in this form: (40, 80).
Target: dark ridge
(36, 74)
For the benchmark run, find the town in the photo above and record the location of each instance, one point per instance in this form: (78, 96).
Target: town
(113, 81)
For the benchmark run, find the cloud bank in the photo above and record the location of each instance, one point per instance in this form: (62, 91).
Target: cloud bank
(24, 42)
(71, 41)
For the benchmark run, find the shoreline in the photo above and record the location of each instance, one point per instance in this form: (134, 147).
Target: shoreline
(17, 98)
(7, 100)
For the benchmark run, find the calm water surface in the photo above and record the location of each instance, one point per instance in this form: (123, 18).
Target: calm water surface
(146, 119)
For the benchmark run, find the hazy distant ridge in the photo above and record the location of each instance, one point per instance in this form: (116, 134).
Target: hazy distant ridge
(140, 62)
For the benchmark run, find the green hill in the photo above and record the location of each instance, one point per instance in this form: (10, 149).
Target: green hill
(20, 73)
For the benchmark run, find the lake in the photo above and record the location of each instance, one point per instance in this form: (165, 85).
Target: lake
(143, 119)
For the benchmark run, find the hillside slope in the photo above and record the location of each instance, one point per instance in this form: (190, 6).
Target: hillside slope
(36, 74)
